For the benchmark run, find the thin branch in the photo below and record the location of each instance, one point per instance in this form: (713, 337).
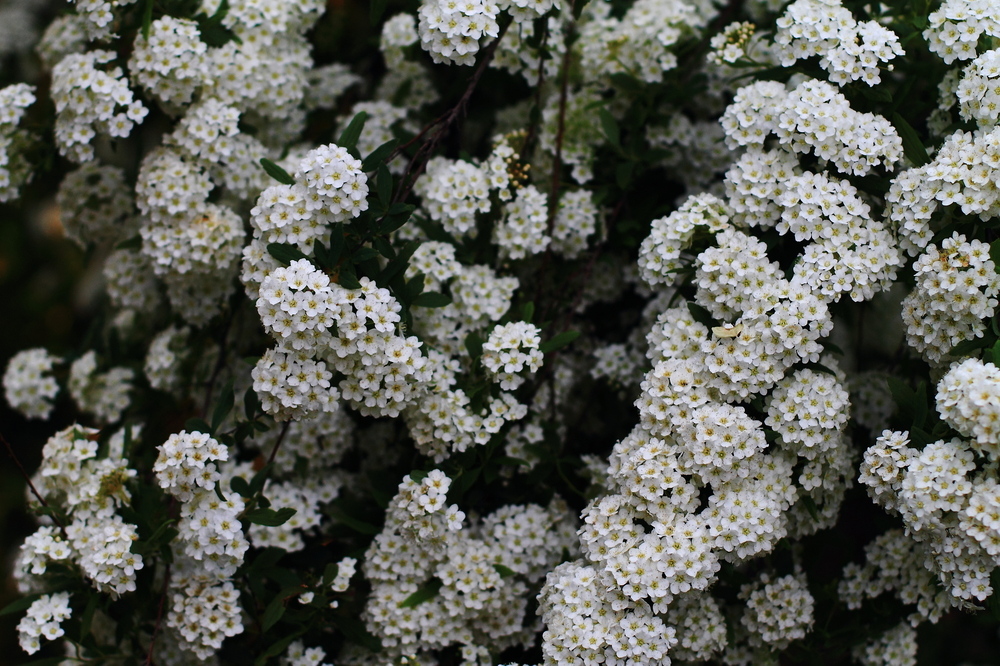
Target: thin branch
(556, 175)
(159, 617)
(444, 122)
(27, 479)
(277, 445)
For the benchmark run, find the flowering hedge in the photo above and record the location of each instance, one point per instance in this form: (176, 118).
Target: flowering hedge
(511, 332)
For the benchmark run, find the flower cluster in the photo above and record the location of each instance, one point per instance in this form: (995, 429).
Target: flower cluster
(27, 387)
(91, 99)
(957, 288)
(43, 619)
(14, 172)
(848, 50)
(510, 349)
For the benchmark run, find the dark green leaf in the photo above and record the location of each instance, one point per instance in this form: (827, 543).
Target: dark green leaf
(349, 137)
(969, 347)
(383, 181)
(432, 299)
(995, 254)
(701, 315)
(528, 311)
(275, 609)
(578, 9)
(251, 403)
(48, 661)
(285, 252)
(876, 94)
(278, 647)
(147, 18)
(354, 630)
(505, 572)
(87, 619)
(810, 504)
(425, 593)
(224, 406)
(384, 247)
(474, 345)
(133, 243)
(329, 573)
(913, 147)
(610, 127)
(399, 263)
(19, 605)
(197, 425)
(364, 254)
(269, 517)
(623, 174)
(241, 487)
(276, 172)
(378, 155)
(399, 214)
(355, 524)
(348, 279)
(558, 341)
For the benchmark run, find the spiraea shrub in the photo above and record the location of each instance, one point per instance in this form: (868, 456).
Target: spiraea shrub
(522, 332)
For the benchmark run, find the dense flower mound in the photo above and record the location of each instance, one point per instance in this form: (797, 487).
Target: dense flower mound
(520, 332)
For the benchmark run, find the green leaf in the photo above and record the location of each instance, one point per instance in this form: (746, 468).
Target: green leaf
(376, 10)
(19, 605)
(241, 487)
(701, 315)
(399, 263)
(354, 630)
(384, 247)
(578, 9)
(355, 524)
(623, 174)
(276, 608)
(474, 344)
(197, 425)
(286, 253)
(425, 593)
(329, 573)
(969, 347)
(810, 504)
(379, 155)
(87, 619)
(349, 137)
(133, 243)
(278, 647)
(876, 94)
(432, 299)
(276, 172)
(147, 18)
(269, 517)
(528, 311)
(226, 401)
(558, 341)
(251, 403)
(504, 572)
(610, 126)
(913, 147)
(383, 182)
(399, 214)
(364, 254)
(995, 254)
(348, 279)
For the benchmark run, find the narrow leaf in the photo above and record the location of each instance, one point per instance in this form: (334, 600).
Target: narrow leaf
(384, 184)
(378, 155)
(197, 425)
(226, 401)
(913, 147)
(285, 252)
(432, 299)
(133, 243)
(276, 172)
(610, 127)
(559, 341)
(349, 137)
(19, 605)
(269, 517)
(425, 593)
(505, 572)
